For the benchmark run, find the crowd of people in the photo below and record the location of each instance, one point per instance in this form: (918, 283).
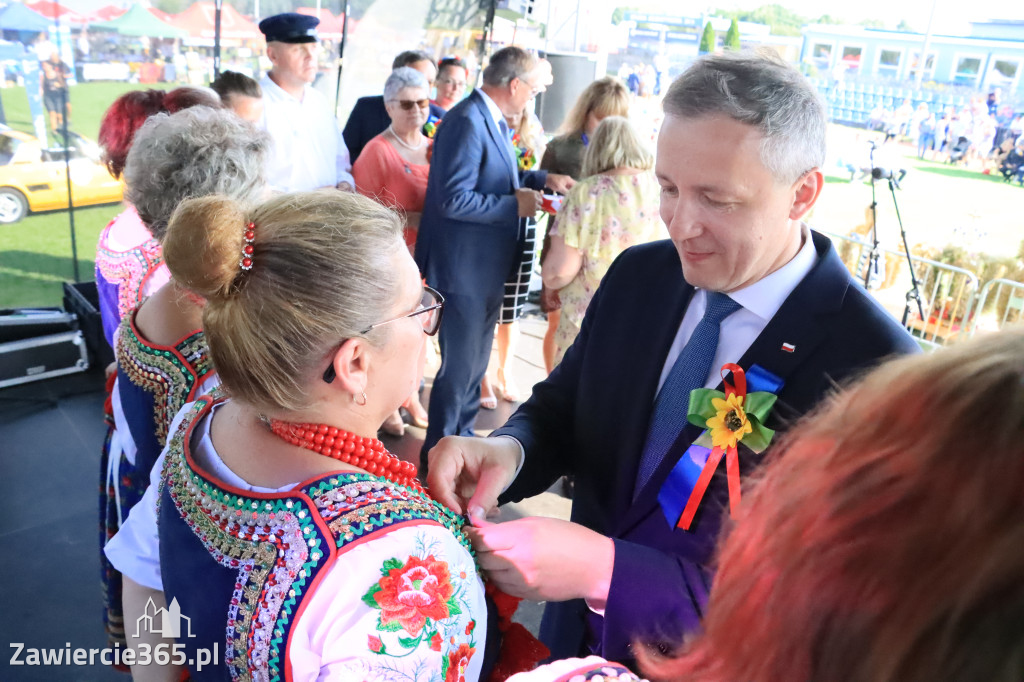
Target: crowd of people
(977, 135)
(269, 304)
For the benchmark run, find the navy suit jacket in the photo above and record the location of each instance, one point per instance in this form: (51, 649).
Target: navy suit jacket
(469, 240)
(369, 118)
(590, 419)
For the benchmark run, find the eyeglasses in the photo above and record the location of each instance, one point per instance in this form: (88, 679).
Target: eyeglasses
(534, 89)
(430, 311)
(410, 104)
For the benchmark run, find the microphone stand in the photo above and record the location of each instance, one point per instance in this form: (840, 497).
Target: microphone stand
(873, 255)
(915, 293)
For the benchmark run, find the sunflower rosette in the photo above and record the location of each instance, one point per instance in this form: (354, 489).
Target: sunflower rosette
(430, 127)
(730, 419)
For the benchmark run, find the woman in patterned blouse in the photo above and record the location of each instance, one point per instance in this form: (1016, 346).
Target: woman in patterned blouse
(276, 525)
(162, 358)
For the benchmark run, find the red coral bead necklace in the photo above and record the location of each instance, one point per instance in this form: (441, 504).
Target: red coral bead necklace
(368, 454)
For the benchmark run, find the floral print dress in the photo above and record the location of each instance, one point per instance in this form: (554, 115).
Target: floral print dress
(602, 216)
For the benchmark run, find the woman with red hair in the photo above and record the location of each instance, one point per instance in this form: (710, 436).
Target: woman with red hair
(129, 266)
(883, 540)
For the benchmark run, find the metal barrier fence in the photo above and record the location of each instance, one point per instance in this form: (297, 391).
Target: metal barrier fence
(948, 293)
(1005, 299)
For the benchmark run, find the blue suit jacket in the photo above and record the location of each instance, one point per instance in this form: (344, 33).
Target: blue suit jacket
(590, 418)
(369, 118)
(469, 239)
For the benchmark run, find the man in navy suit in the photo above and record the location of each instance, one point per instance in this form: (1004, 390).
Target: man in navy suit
(739, 158)
(370, 118)
(469, 238)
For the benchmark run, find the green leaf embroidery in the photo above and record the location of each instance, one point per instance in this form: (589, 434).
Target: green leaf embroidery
(390, 565)
(393, 626)
(453, 608)
(410, 642)
(368, 597)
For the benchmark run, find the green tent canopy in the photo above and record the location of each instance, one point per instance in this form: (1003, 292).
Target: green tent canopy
(139, 21)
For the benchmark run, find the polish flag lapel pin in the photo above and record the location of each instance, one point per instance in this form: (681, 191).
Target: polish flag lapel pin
(788, 348)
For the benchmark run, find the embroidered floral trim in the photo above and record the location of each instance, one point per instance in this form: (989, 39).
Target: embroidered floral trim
(278, 548)
(129, 270)
(170, 375)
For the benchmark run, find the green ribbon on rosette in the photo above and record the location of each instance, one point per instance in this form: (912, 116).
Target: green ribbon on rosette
(728, 418)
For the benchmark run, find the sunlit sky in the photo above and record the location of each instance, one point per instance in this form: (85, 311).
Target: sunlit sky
(951, 16)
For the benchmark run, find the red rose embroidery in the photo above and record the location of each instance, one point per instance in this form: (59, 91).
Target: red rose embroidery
(470, 626)
(374, 643)
(414, 592)
(435, 642)
(458, 661)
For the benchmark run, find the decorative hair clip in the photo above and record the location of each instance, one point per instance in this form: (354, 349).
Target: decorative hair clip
(250, 234)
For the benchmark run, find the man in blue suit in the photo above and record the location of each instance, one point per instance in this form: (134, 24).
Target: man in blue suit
(470, 239)
(739, 158)
(370, 118)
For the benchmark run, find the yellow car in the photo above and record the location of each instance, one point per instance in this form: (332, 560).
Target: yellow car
(34, 178)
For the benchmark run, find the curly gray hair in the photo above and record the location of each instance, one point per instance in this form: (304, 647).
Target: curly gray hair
(761, 90)
(401, 78)
(193, 153)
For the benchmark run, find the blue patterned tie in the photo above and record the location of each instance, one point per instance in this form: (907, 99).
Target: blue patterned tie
(690, 371)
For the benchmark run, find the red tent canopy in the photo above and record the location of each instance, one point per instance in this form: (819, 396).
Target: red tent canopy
(107, 13)
(50, 9)
(198, 20)
(330, 26)
(161, 15)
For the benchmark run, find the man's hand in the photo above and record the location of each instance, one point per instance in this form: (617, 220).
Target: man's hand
(541, 559)
(529, 201)
(559, 183)
(468, 474)
(345, 186)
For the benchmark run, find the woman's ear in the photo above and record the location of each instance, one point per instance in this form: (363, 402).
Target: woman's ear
(351, 366)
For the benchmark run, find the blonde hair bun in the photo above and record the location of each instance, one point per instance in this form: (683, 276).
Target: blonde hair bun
(203, 245)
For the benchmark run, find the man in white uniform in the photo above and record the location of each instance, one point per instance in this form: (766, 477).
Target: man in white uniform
(308, 150)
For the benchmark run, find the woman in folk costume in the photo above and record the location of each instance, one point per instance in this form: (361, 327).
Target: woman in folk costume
(163, 361)
(129, 266)
(294, 543)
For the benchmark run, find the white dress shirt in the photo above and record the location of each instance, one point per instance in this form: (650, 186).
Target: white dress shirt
(500, 123)
(308, 150)
(760, 301)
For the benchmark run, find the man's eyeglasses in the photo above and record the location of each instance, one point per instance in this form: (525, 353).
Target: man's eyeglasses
(430, 310)
(410, 104)
(534, 89)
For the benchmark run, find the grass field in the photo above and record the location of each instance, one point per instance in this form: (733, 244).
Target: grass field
(939, 205)
(35, 254)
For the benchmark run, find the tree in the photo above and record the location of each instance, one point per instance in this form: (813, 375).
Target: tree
(904, 25)
(782, 21)
(732, 38)
(619, 14)
(707, 41)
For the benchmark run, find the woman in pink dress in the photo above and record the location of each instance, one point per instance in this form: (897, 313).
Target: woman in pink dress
(129, 266)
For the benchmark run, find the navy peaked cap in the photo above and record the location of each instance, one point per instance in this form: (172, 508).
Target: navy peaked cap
(290, 27)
